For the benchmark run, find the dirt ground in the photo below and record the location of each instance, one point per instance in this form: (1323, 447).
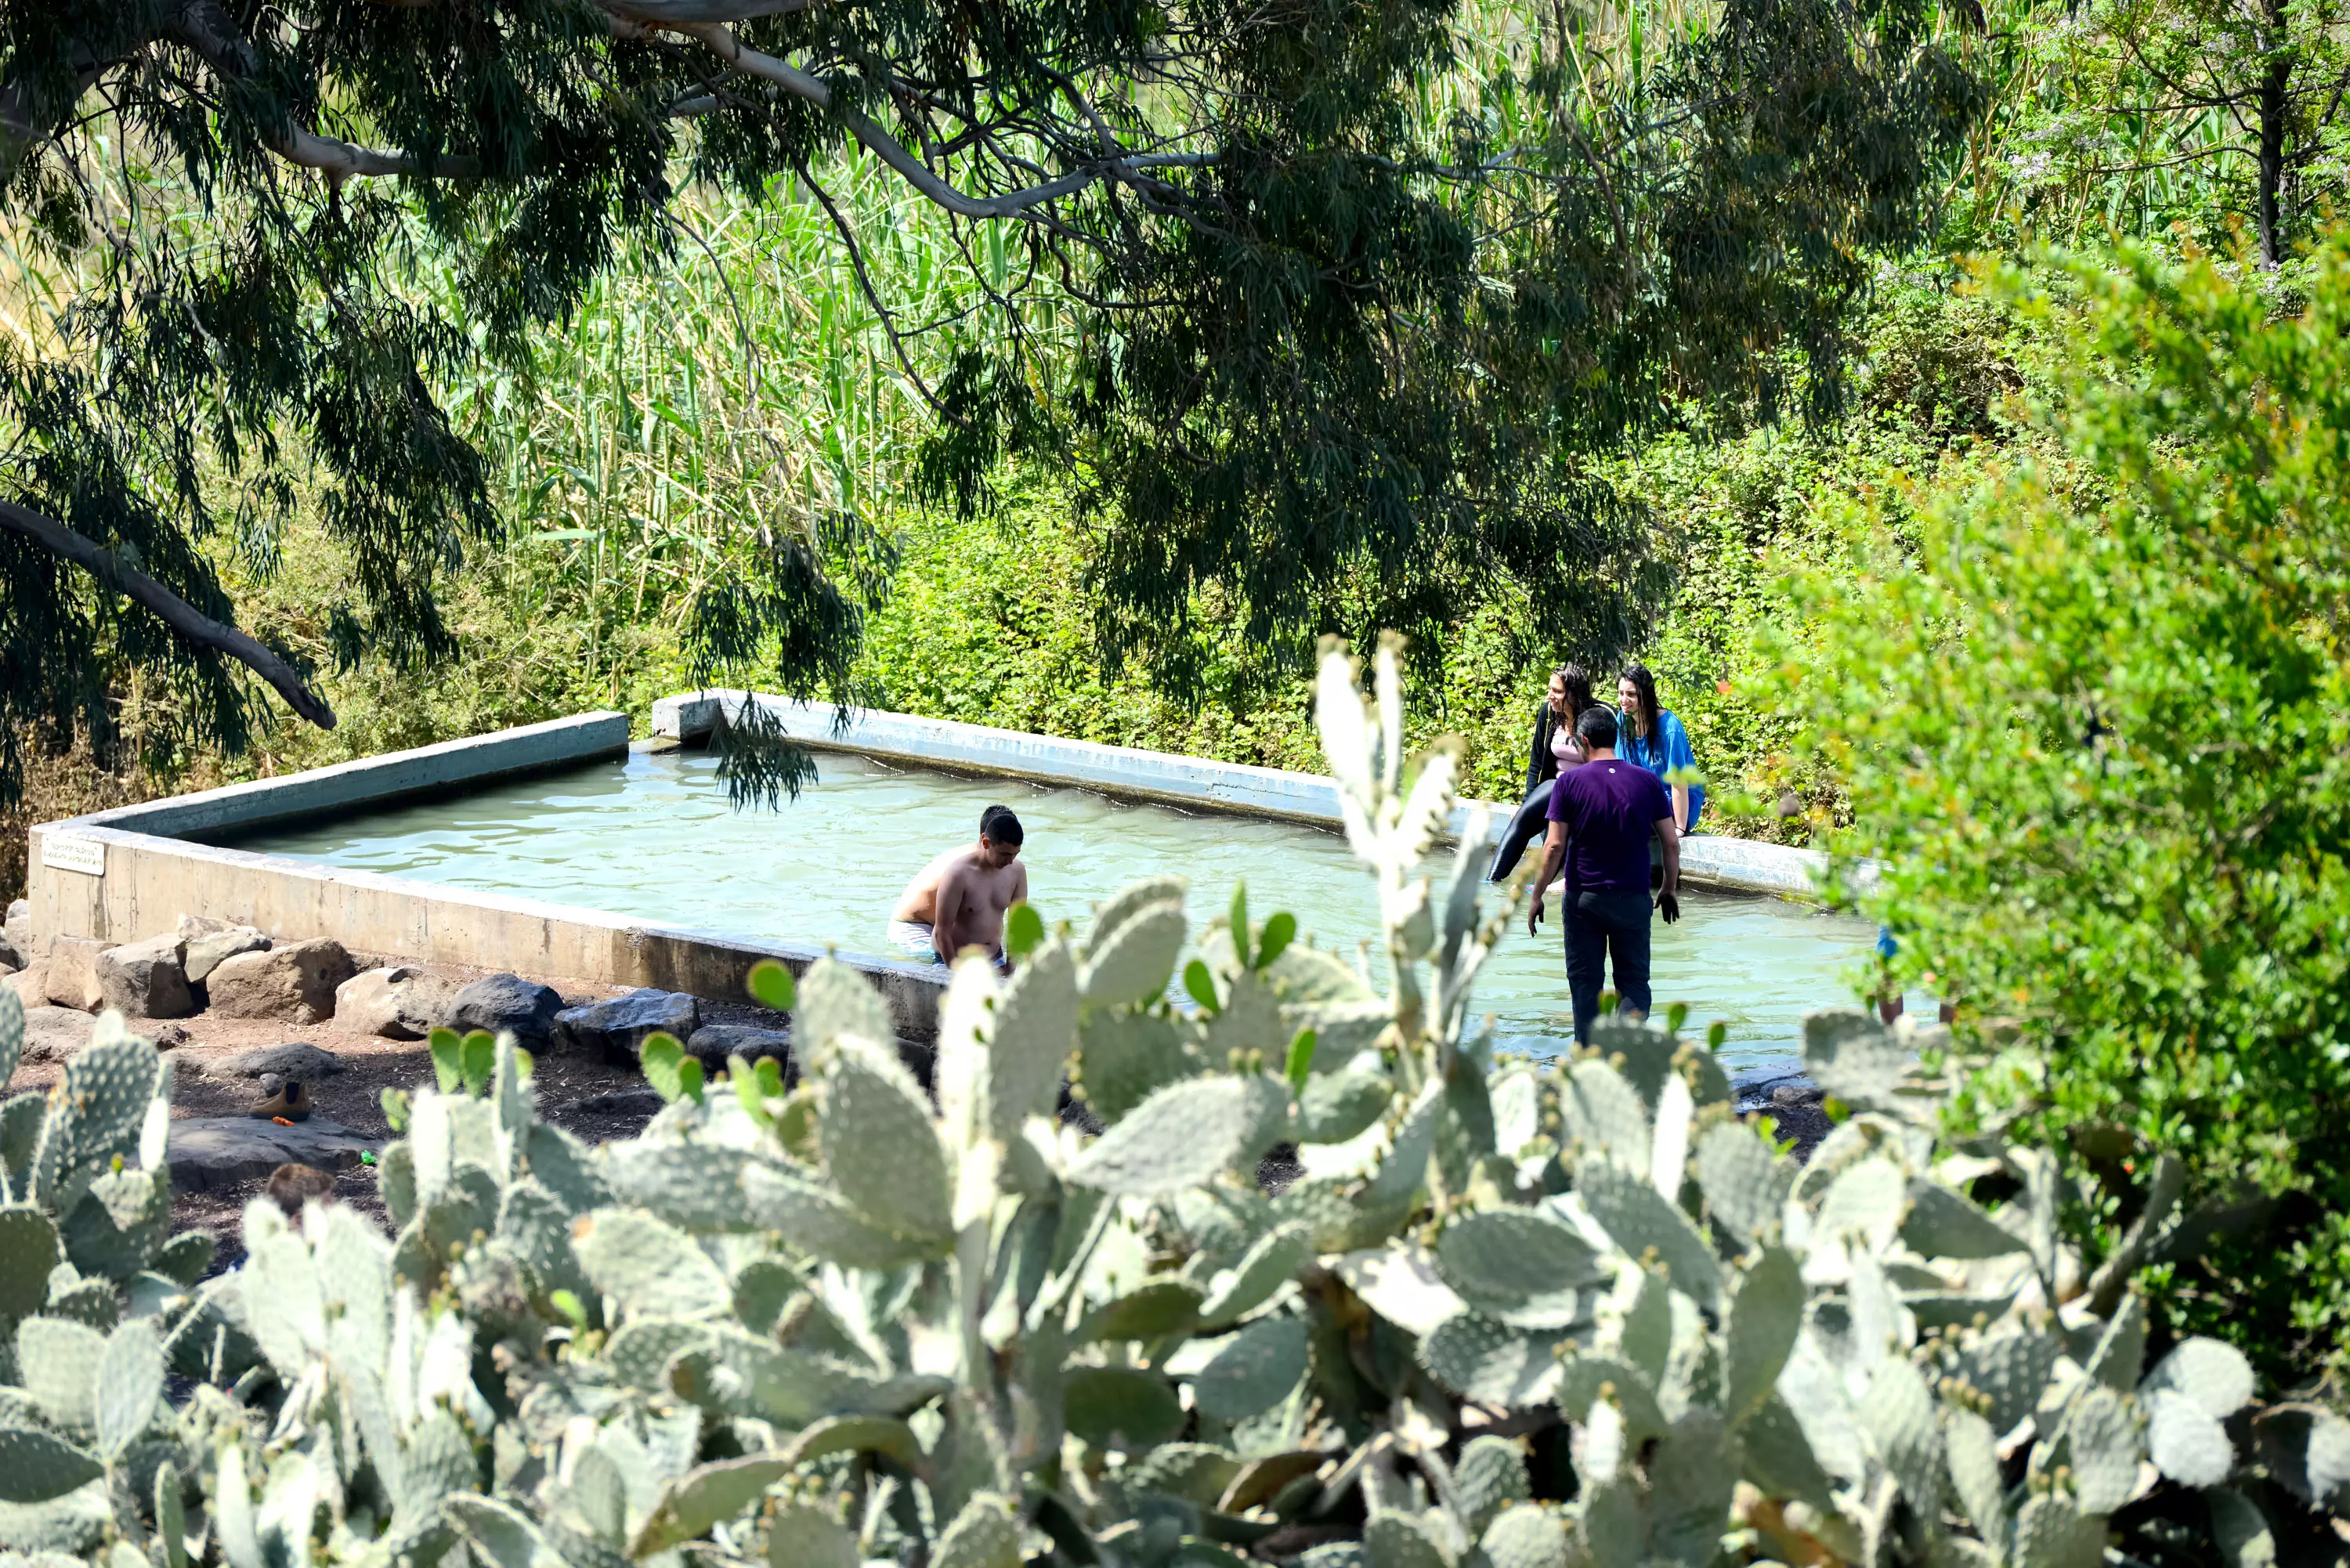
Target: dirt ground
(585, 1094)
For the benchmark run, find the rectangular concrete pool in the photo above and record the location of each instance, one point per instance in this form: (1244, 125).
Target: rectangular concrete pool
(652, 837)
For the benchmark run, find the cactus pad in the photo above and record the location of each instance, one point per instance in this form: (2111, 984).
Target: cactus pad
(1765, 1316)
(2185, 1440)
(1119, 1408)
(1856, 1058)
(651, 1268)
(1520, 1266)
(1124, 1057)
(1746, 1184)
(2051, 1532)
(1605, 1115)
(28, 1250)
(1185, 1133)
(1636, 1217)
(984, 1534)
(2011, 1369)
(1196, 1472)
(1491, 1362)
(59, 1362)
(2216, 1376)
(1335, 1106)
(2102, 1441)
(1491, 1476)
(820, 1223)
(1035, 1029)
(1523, 1536)
(1392, 1539)
(881, 1145)
(1943, 1224)
(36, 1466)
(804, 1537)
(1271, 1262)
(118, 1224)
(1255, 1370)
(12, 1031)
(1131, 961)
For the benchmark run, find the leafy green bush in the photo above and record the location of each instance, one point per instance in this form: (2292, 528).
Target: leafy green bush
(1508, 1316)
(2098, 735)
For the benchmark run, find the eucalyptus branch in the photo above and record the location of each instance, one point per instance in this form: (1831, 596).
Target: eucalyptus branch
(192, 625)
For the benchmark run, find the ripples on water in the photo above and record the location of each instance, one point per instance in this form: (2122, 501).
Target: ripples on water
(654, 837)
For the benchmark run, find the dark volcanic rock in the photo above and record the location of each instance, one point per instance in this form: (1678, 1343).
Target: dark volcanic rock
(507, 1005)
(713, 1044)
(297, 1062)
(615, 1029)
(211, 1154)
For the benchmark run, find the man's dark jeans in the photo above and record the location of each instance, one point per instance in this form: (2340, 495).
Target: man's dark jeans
(1598, 922)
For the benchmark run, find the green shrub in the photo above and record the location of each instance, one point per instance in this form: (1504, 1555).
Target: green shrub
(2100, 734)
(1508, 1316)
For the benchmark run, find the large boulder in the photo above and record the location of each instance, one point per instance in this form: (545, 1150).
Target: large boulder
(31, 986)
(714, 1043)
(399, 1003)
(146, 979)
(54, 1033)
(506, 1004)
(72, 966)
(208, 943)
(615, 1029)
(296, 1062)
(18, 929)
(292, 984)
(11, 958)
(219, 1154)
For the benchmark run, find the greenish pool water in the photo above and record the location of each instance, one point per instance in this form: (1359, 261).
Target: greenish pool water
(654, 837)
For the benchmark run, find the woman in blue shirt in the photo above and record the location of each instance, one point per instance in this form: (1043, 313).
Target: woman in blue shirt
(1654, 740)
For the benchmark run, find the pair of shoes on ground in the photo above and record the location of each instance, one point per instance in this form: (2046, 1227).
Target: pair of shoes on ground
(291, 1104)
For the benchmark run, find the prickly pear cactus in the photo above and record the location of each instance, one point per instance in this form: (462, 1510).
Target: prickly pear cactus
(1057, 1306)
(98, 1302)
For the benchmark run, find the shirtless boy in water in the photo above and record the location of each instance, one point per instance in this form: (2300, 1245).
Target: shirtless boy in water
(958, 900)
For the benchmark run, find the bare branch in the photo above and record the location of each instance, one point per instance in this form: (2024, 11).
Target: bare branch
(723, 42)
(348, 160)
(663, 13)
(192, 624)
(204, 29)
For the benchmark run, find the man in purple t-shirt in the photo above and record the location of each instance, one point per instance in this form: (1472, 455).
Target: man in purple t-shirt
(1602, 816)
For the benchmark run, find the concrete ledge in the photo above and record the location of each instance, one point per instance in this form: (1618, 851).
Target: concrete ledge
(372, 781)
(1751, 866)
(1735, 865)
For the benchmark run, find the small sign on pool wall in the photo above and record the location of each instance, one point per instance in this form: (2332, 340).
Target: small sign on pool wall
(87, 856)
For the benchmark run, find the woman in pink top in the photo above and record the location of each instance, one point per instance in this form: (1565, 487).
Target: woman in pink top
(1555, 750)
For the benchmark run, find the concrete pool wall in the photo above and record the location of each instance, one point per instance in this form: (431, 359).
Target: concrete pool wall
(131, 872)
(122, 875)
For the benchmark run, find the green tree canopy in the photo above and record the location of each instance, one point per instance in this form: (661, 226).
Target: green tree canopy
(2099, 732)
(1345, 290)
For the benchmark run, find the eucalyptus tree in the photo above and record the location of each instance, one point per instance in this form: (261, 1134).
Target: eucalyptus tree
(1348, 299)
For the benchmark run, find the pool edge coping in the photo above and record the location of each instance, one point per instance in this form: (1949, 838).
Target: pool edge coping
(1167, 778)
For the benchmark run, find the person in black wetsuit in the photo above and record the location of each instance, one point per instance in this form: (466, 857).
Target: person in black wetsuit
(1555, 749)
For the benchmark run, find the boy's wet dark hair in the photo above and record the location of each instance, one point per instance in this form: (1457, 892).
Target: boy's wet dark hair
(1598, 727)
(998, 825)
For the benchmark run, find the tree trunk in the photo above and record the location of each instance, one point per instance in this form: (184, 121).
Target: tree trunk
(2276, 78)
